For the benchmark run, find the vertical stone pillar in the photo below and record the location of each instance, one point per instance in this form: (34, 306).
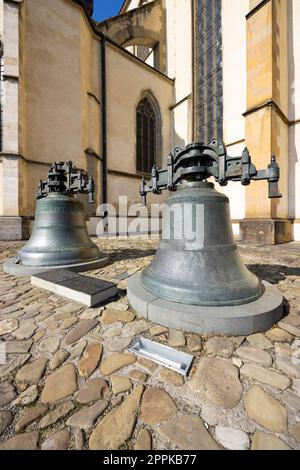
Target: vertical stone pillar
(13, 223)
(267, 220)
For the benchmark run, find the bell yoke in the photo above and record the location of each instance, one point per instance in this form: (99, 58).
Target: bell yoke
(206, 280)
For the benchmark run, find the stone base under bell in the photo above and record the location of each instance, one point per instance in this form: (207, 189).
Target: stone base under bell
(265, 231)
(244, 319)
(19, 270)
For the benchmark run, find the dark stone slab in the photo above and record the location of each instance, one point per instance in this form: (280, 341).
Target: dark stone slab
(84, 289)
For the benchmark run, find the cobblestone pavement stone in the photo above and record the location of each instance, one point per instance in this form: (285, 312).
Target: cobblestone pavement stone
(100, 403)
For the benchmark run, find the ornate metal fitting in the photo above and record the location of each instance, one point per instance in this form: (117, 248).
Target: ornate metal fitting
(198, 161)
(65, 178)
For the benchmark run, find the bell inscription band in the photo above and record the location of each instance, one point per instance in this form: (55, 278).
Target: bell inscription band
(59, 237)
(201, 285)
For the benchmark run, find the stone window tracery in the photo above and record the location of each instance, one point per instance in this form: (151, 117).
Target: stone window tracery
(146, 136)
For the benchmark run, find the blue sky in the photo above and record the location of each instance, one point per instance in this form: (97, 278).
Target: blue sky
(105, 8)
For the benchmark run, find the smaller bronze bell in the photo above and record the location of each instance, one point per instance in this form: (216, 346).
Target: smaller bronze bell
(59, 237)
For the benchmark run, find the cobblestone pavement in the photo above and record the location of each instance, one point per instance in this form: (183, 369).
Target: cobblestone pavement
(68, 382)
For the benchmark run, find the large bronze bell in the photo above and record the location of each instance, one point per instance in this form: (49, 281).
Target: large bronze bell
(210, 274)
(59, 237)
(197, 280)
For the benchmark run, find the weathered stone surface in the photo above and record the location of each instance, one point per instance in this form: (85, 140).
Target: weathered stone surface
(283, 349)
(58, 441)
(143, 440)
(17, 347)
(217, 381)
(68, 322)
(6, 418)
(293, 330)
(112, 332)
(292, 320)
(258, 340)
(118, 425)
(194, 343)
(120, 306)
(59, 412)
(236, 340)
(176, 338)
(38, 335)
(62, 316)
(10, 309)
(296, 386)
(7, 393)
(26, 441)
(150, 366)
(29, 415)
(92, 390)
(157, 330)
(237, 362)
(28, 396)
(58, 358)
(277, 334)
(231, 438)
(116, 401)
(25, 330)
(292, 401)
(60, 384)
(33, 310)
(295, 431)
(49, 344)
(18, 361)
(171, 377)
(265, 410)
(114, 316)
(50, 325)
(119, 344)
(116, 361)
(135, 328)
(264, 441)
(219, 346)
(31, 373)
(266, 376)
(137, 375)
(70, 307)
(8, 326)
(254, 355)
(79, 439)
(91, 313)
(85, 418)
(157, 406)
(188, 433)
(287, 365)
(78, 350)
(91, 359)
(83, 327)
(120, 384)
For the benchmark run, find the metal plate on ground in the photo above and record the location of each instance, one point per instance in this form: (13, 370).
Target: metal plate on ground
(164, 355)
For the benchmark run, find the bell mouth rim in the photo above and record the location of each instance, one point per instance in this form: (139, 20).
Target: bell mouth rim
(211, 303)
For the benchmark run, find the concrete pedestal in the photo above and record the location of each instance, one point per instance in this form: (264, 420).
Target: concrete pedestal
(244, 319)
(265, 231)
(19, 270)
(14, 228)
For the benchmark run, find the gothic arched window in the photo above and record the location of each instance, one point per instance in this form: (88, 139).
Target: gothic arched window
(146, 136)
